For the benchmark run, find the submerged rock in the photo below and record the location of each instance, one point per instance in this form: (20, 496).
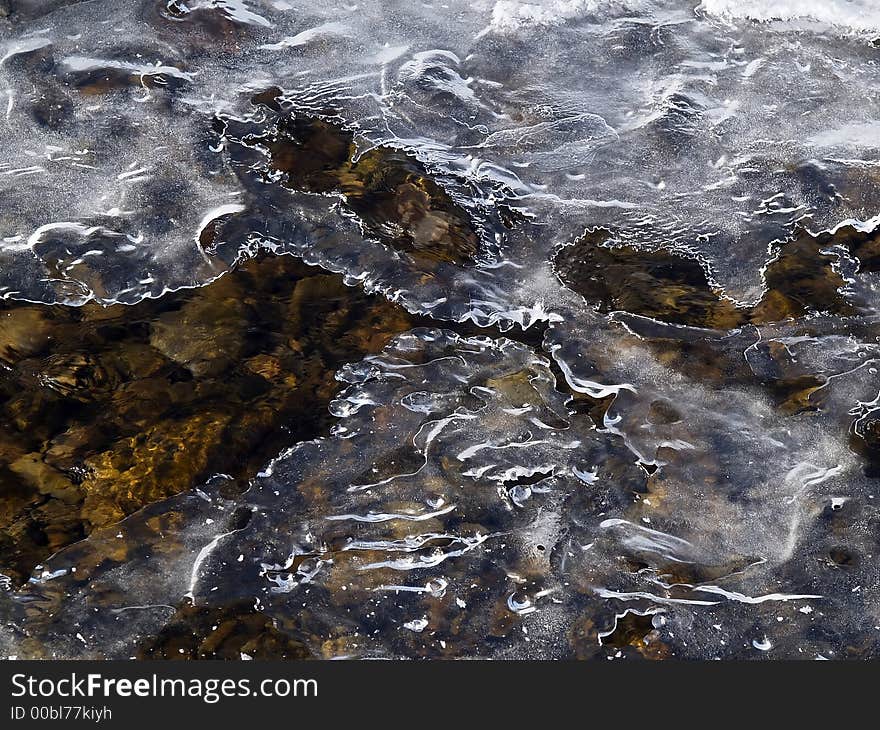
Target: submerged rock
(674, 287)
(390, 191)
(134, 404)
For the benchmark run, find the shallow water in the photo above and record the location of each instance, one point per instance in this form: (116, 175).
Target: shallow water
(494, 329)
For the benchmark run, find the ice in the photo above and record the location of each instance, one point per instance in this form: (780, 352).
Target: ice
(669, 122)
(852, 15)
(344, 533)
(689, 435)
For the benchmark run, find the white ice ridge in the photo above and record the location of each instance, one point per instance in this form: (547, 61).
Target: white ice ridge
(509, 16)
(858, 15)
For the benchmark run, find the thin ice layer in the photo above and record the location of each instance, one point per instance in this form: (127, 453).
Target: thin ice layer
(704, 130)
(462, 506)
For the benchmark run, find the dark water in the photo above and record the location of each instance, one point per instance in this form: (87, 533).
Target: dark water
(494, 329)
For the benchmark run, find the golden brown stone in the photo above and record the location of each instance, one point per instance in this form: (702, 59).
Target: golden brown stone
(133, 404)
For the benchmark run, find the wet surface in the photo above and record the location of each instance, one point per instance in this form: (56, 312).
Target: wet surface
(499, 330)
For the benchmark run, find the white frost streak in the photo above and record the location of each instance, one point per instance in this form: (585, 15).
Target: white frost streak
(200, 558)
(858, 15)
